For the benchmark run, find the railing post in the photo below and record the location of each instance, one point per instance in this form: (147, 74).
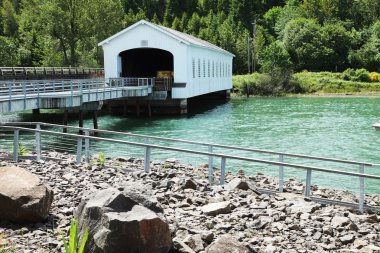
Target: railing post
(361, 189)
(210, 166)
(281, 174)
(308, 182)
(15, 145)
(38, 142)
(147, 157)
(87, 145)
(223, 171)
(79, 151)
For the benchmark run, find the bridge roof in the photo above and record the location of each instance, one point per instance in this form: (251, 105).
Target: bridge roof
(183, 37)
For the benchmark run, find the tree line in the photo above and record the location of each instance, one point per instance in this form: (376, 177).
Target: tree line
(316, 35)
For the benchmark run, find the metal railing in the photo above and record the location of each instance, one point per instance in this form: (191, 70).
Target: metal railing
(34, 71)
(13, 90)
(132, 81)
(361, 175)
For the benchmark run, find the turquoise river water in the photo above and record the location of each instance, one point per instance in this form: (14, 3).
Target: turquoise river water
(330, 127)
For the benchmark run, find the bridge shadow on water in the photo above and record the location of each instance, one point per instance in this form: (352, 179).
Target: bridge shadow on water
(132, 123)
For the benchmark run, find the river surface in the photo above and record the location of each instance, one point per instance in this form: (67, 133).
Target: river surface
(329, 127)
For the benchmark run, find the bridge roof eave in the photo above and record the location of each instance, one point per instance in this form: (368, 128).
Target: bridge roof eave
(141, 22)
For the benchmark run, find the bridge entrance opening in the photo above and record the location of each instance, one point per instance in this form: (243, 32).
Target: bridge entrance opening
(146, 62)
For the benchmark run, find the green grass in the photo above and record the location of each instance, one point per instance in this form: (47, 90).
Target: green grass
(328, 82)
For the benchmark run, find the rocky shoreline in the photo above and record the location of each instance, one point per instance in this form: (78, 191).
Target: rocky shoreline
(199, 214)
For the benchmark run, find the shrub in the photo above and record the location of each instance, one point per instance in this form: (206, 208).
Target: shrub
(348, 74)
(358, 75)
(374, 77)
(362, 75)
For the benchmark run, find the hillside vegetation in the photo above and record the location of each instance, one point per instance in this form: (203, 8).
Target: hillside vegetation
(291, 35)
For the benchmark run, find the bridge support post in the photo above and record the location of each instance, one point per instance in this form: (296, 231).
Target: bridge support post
(36, 111)
(137, 108)
(149, 110)
(124, 108)
(65, 119)
(183, 106)
(95, 121)
(80, 121)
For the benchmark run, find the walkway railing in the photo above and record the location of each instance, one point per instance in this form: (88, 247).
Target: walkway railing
(361, 175)
(131, 81)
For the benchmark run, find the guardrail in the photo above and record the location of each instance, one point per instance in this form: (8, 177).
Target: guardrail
(131, 81)
(210, 154)
(33, 71)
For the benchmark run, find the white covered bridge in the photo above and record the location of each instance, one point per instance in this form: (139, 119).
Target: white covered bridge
(144, 65)
(146, 49)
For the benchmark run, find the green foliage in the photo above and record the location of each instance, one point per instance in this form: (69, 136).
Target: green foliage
(100, 160)
(329, 82)
(374, 77)
(358, 75)
(265, 85)
(22, 150)
(368, 55)
(74, 246)
(318, 35)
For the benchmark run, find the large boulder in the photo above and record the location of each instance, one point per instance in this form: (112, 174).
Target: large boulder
(23, 196)
(123, 221)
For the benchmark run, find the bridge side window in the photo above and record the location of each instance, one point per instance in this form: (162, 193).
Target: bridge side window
(204, 68)
(213, 69)
(193, 68)
(199, 68)
(208, 68)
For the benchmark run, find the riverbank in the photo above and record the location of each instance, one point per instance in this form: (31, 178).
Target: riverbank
(311, 84)
(285, 222)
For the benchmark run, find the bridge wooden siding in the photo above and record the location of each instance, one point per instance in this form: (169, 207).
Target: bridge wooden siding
(43, 73)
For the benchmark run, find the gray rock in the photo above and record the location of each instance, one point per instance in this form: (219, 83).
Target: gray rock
(226, 243)
(339, 221)
(23, 196)
(189, 184)
(214, 209)
(237, 183)
(317, 236)
(304, 207)
(142, 194)
(119, 223)
(195, 242)
(347, 239)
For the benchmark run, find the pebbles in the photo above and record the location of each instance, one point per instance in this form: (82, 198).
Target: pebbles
(199, 214)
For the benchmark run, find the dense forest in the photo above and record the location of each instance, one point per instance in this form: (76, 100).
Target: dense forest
(316, 35)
